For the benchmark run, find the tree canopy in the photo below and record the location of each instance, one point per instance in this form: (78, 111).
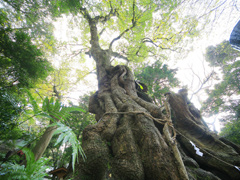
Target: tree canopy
(224, 98)
(132, 137)
(22, 65)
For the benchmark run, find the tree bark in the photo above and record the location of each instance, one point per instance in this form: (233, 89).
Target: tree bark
(219, 158)
(128, 142)
(134, 140)
(125, 142)
(43, 143)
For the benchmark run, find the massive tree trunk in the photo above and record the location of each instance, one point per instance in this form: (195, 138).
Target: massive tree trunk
(134, 139)
(131, 138)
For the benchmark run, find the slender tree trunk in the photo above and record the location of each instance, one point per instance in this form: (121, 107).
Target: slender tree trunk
(45, 139)
(43, 143)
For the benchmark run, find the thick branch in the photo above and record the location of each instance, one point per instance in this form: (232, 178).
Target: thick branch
(44, 141)
(148, 40)
(134, 22)
(117, 55)
(104, 19)
(93, 22)
(85, 13)
(93, 27)
(119, 37)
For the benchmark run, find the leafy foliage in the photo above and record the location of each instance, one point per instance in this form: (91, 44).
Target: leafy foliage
(22, 66)
(221, 55)
(159, 79)
(9, 113)
(58, 114)
(22, 63)
(32, 18)
(53, 110)
(76, 123)
(224, 97)
(231, 131)
(68, 136)
(59, 7)
(33, 170)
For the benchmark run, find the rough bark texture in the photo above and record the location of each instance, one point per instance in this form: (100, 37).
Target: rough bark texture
(128, 142)
(134, 140)
(219, 157)
(126, 145)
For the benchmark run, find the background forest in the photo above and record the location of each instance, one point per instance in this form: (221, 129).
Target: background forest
(48, 72)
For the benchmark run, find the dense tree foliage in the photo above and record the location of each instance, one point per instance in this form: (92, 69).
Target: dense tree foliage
(33, 170)
(22, 66)
(159, 79)
(77, 121)
(132, 136)
(22, 62)
(224, 98)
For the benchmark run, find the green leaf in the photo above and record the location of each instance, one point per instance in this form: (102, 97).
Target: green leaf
(34, 169)
(68, 136)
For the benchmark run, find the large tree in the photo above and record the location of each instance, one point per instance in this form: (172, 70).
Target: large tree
(224, 97)
(22, 65)
(134, 138)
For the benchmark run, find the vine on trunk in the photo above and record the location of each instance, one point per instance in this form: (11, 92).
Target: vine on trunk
(134, 139)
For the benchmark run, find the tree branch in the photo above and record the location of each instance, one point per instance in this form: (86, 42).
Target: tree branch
(215, 8)
(117, 55)
(93, 27)
(85, 14)
(148, 40)
(119, 37)
(93, 23)
(204, 82)
(102, 31)
(134, 22)
(104, 19)
(134, 18)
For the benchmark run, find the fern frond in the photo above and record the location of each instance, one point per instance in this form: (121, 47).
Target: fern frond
(68, 136)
